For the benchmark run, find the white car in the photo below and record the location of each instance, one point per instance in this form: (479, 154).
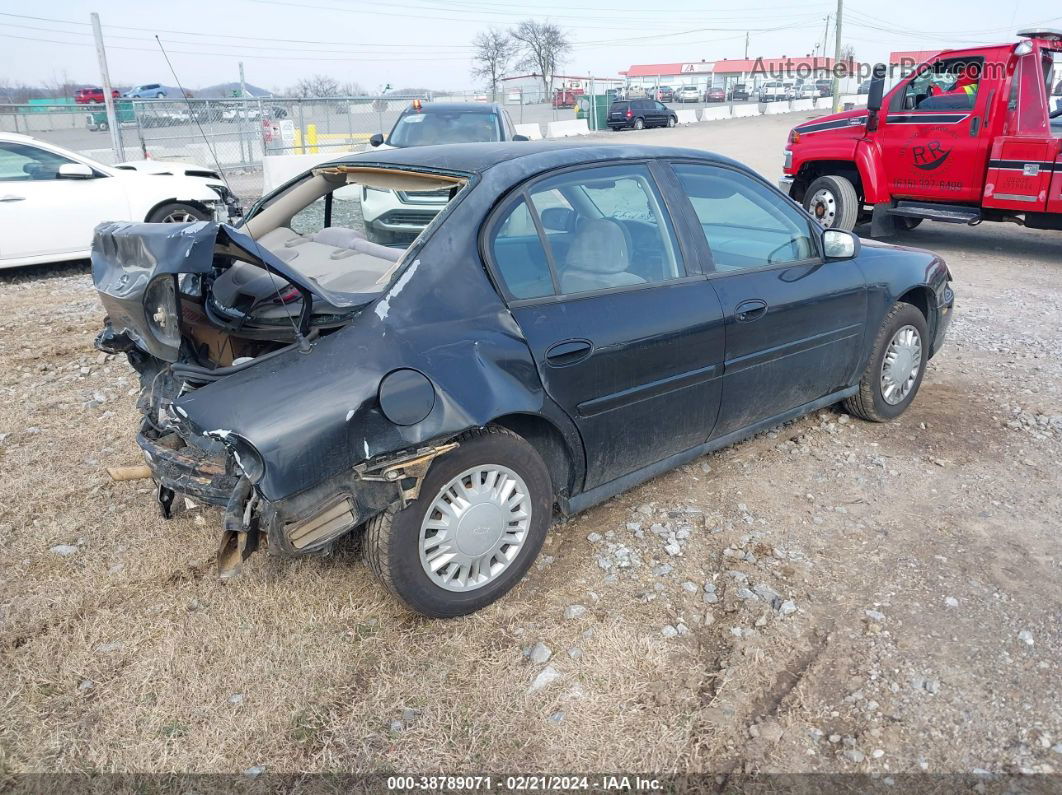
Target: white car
(51, 199)
(395, 217)
(688, 94)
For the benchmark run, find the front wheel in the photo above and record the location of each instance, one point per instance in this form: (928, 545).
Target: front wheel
(178, 213)
(671, 121)
(833, 201)
(639, 124)
(472, 534)
(895, 368)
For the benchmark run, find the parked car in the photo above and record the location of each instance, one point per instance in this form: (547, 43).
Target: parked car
(740, 92)
(688, 94)
(665, 94)
(715, 94)
(397, 216)
(774, 91)
(579, 319)
(147, 91)
(92, 95)
(52, 198)
(640, 113)
(824, 87)
(864, 87)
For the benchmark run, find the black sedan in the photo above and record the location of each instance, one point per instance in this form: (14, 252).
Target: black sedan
(576, 320)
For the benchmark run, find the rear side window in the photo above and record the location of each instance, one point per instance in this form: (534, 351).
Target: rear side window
(745, 224)
(519, 255)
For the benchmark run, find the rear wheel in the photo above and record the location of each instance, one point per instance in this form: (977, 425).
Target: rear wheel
(472, 534)
(178, 213)
(895, 368)
(833, 201)
(639, 124)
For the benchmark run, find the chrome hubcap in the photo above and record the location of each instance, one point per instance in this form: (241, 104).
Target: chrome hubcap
(475, 527)
(901, 365)
(823, 206)
(180, 217)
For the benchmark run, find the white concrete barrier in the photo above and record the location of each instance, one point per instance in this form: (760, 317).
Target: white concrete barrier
(746, 111)
(803, 104)
(859, 100)
(686, 116)
(567, 127)
(278, 169)
(771, 108)
(715, 114)
(532, 131)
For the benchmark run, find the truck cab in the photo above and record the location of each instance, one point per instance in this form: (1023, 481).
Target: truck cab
(968, 136)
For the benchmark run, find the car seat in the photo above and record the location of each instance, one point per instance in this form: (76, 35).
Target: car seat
(598, 258)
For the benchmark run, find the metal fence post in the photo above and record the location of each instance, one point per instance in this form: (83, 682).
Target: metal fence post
(302, 126)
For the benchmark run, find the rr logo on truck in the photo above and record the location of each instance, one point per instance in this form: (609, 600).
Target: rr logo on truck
(930, 156)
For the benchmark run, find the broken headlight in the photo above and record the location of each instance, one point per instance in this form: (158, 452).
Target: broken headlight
(160, 309)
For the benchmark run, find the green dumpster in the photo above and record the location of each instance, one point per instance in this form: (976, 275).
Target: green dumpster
(594, 108)
(123, 110)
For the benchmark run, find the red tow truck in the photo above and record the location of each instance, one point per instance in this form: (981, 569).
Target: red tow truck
(970, 135)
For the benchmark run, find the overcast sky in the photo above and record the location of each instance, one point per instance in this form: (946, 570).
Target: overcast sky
(426, 43)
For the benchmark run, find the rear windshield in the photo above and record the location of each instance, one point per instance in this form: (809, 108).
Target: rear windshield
(446, 127)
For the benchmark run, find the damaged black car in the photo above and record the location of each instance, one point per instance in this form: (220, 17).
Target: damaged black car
(577, 319)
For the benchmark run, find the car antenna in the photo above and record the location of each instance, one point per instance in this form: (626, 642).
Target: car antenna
(300, 338)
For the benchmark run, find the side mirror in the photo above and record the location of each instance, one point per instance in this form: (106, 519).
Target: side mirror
(376, 139)
(558, 219)
(877, 88)
(519, 137)
(74, 171)
(839, 244)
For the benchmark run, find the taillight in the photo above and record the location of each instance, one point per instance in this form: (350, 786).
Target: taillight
(630, 113)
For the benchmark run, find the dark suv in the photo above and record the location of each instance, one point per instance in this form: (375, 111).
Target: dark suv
(639, 114)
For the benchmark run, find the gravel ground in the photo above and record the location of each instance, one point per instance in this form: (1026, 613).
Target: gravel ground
(830, 596)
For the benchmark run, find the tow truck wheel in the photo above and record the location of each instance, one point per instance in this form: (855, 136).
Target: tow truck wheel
(473, 532)
(833, 201)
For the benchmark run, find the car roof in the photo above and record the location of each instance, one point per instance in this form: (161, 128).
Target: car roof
(521, 157)
(440, 107)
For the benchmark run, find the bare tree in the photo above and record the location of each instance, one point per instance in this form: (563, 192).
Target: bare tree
(543, 46)
(352, 88)
(316, 86)
(493, 52)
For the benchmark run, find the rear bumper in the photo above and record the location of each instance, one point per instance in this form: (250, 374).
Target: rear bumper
(188, 470)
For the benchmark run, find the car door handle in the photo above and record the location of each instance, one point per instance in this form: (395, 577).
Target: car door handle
(747, 311)
(12, 198)
(568, 352)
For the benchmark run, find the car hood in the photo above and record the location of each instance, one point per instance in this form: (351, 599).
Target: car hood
(166, 168)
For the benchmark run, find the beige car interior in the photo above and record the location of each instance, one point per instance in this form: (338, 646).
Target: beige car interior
(337, 258)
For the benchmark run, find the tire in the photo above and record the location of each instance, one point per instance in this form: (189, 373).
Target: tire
(103, 126)
(671, 121)
(870, 403)
(178, 213)
(639, 123)
(906, 224)
(160, 95)
(392, 543)
(833, 202)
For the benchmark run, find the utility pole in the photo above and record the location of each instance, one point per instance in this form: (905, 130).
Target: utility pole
(837, 56)
(243, 115)
(825, 35)
(746, 45)
(108, 100)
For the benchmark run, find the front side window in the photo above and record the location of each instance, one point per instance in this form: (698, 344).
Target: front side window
(22, 163)
(445, 127)
(949, 84)
(745, 223)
